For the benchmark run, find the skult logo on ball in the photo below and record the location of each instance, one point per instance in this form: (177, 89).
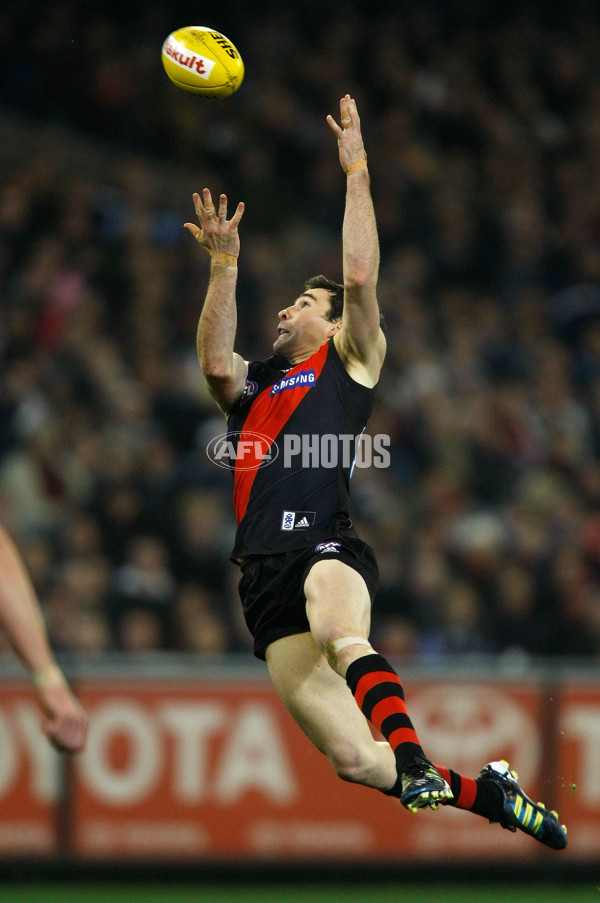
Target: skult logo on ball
(242, 450)
(187, 59)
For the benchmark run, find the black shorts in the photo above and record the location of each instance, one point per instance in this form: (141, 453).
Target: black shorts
(272, 586)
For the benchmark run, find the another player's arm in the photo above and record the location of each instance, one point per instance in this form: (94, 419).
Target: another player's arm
(224, 370)
(65, 722)
(360, 342)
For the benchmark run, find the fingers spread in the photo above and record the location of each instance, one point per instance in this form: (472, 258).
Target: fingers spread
(206, 212)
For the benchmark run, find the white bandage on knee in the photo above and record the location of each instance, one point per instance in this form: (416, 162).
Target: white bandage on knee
(335, 647)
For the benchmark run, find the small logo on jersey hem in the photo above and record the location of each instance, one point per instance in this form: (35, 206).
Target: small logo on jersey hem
(332, 546)
(297, 520)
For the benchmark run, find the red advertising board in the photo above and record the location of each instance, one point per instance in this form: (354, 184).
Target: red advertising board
(217, 770)
(577, 767)
(29, 777)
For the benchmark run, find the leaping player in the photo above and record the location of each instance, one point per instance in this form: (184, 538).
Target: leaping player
(307, 579)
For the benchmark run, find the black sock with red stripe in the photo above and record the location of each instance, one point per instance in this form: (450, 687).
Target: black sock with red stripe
(481, 797)
(379, 695)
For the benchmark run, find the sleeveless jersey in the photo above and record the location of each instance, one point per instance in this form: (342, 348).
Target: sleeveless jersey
(295, 430)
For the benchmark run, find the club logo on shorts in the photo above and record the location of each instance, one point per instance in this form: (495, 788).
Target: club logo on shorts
(332, 546)
(297, 520)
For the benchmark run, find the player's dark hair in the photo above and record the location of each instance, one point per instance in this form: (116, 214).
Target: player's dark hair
(337, 297)
(336, 291)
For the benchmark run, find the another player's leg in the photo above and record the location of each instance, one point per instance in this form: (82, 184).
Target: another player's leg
(338, 608)
(496, 795)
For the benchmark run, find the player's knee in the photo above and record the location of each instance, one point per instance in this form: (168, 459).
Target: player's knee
(343, 650)
(353, 765)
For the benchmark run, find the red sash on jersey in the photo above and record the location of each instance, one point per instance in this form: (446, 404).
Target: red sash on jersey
(268, 416)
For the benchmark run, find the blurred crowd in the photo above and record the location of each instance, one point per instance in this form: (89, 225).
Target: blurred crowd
(482, 124)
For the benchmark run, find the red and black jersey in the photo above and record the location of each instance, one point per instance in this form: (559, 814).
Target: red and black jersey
(295, 430)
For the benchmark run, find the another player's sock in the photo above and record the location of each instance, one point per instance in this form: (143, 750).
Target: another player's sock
(481, 797)
(379, 695)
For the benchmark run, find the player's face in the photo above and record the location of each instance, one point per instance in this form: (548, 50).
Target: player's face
(304, 327)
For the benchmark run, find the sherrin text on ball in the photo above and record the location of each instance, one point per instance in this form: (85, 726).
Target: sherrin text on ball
(202, 61)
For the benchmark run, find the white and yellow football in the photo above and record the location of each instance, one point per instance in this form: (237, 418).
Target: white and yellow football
(202, 61)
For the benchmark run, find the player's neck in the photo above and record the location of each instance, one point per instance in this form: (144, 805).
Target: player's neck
(304, 355)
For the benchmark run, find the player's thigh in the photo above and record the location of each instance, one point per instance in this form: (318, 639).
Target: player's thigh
(317, 698)
(337, 602)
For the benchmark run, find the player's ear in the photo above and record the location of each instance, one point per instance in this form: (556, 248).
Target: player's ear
(336, 325)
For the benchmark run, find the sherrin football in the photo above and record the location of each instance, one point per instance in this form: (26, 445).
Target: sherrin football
(202, 61)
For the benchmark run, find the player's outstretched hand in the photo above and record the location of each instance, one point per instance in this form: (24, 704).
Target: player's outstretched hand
(349, 135)
(216, 232)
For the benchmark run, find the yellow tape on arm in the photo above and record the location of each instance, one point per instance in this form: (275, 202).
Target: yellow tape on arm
(356, 166)
(228, 260)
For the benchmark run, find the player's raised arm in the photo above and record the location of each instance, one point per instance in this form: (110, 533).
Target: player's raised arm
(224, 370)
(360, 341)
